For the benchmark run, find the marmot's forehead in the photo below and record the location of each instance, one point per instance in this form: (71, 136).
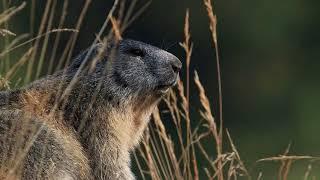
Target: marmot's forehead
(129, 43)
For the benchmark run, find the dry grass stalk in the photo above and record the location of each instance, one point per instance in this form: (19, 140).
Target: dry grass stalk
(4, 84)
(116, 29)
(6, 32)
(58, 36)
(161, 156)
(139, 165)
(20, 62)
(259, 176)
(74, 38)
(282, 157)
(8, 13)
(285, 165)
(34, 39)
(212, 20)
(150, 161)
(37, 42)
(5, 16)
(240, 164)
(307, 173)
(286, 162)
(213, 28)
(168, 144)
(15, 42)
(32, 16)
(80, 69)
(207, 115)
(46, 38)
(130, 17)
(187, 46)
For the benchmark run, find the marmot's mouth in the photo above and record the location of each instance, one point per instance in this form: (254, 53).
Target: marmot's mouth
(164, 88)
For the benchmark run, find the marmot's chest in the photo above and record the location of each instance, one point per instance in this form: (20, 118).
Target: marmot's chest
(128, 125)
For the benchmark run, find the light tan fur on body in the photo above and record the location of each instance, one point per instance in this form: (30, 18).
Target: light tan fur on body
(30, 127)
(127, 124)
(90, 132)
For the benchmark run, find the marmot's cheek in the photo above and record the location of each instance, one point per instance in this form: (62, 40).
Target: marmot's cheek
(168, 78)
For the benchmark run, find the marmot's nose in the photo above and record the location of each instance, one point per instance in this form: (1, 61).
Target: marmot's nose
(176, 65)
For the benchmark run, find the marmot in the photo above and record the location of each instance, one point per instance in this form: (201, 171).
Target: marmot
(83, 122)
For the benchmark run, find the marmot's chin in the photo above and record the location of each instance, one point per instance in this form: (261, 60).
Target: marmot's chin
(164, 91)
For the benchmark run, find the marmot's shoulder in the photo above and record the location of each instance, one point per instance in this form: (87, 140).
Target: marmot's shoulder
(31, 146)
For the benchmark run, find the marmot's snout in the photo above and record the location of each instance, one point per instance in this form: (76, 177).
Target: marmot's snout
(175, 64)
(170, 75)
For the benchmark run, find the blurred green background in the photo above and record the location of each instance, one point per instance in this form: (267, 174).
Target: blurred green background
(270, 60)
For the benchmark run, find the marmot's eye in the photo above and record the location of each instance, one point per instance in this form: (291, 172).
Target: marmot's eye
(136, 52)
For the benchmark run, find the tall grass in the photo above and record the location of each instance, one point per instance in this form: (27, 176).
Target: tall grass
(182, 153)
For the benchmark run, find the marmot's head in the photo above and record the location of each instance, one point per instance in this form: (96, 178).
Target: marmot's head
(134, 66)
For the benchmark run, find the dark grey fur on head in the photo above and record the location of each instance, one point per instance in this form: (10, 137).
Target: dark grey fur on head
(131, 65)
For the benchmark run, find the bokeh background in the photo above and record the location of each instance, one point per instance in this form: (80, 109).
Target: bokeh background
(270, 60)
